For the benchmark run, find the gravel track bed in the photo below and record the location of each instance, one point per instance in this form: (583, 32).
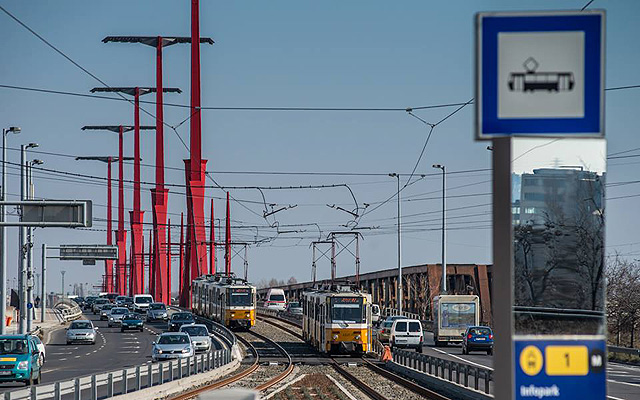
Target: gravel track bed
(383, 385)
(275, 334)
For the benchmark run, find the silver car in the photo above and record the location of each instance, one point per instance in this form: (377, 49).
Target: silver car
(116, 314)
(97, 304)
(199, 335)
(105, 310)
(157, 312)
(172, 345)
(81, 331)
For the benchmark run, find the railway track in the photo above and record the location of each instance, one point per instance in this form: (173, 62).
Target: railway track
(251, 369)
(357, 382)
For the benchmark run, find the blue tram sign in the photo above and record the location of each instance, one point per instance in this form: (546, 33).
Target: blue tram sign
(540, 74)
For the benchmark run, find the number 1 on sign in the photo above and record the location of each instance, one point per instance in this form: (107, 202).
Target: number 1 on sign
(566, 356)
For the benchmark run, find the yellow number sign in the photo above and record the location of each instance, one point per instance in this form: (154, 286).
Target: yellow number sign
(567, 360)
(531, 360)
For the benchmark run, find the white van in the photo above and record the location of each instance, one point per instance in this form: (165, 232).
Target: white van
(407, 333)
(141, 302)
(375, 314)
(275, 300)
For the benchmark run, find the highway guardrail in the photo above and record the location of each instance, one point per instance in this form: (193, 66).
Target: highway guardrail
(109, 384)
(624, 350)
(465, 375)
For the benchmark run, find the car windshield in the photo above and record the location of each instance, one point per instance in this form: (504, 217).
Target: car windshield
(107, 307)
(347, 309)
(144, 300)
(101, 301)
(182, 316)
(157, 306)
(195, 330)
(119, 311)
(294, 305)
(480, 331)
(13, 346)
(131, 316)
(240, 297)
(81, 325)
(387, 324)
(414, 327)
(401, 326)
(173, 339)
(276, 297)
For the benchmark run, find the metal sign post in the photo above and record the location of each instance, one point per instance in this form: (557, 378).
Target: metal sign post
(541, 74)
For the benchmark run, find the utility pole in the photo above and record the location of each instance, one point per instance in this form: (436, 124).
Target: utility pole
(3, 237)
(399, 292)
(444, 232)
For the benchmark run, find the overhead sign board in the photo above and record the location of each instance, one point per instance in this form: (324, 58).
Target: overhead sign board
(540, 74)
(52, 213)
(88, 252)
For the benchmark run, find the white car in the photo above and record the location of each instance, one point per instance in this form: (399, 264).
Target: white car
(407, 333)
(41, 348)
(199, 335)
(116, 315)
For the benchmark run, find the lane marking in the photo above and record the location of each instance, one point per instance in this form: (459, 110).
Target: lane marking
(623, 383)
(614, 398)
(462, 359)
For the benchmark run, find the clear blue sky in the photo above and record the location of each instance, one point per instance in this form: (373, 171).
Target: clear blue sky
(298, 54)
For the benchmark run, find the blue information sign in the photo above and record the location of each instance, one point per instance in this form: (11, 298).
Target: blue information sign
(540, 74)
(560, 369)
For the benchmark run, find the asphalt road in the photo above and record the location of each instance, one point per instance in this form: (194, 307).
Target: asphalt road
(113, 350)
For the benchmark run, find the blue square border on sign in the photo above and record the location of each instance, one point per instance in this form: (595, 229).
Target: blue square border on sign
(488, 124)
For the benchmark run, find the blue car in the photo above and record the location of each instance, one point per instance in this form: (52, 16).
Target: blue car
(131, 321)
(20, 359)
(477, 338)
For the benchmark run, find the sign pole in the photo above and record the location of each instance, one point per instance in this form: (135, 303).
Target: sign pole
(503, 269)
(43, 286)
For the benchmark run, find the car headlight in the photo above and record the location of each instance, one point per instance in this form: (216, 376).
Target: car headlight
(23, 365)
(335, 337)
(186, 350)
(110, 318)
(157, 351)
(357, 337)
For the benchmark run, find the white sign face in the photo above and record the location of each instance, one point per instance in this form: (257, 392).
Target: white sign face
(541, 74)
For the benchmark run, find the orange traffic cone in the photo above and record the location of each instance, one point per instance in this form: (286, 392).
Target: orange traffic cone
(386, 354)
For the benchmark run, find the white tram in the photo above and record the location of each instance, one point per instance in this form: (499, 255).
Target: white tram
(337, 319)
(224, 298)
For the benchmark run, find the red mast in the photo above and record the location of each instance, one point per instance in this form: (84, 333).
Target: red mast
(212, 244)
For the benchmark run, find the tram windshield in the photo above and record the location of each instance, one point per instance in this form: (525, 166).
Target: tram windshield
(240, 297)
(347, 309)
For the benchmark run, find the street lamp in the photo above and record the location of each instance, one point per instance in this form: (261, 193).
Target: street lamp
(3, 240)
(444, 232)
(30, 283)
(399, 293)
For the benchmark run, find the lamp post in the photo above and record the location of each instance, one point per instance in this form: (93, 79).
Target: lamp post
(22, 251)
(399, 293)
(62, 287)
(3, 239)
(30, 281)
(108, 285)
(444, 232)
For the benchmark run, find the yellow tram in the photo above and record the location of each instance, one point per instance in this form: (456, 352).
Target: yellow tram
(337, 319)
(224, 298)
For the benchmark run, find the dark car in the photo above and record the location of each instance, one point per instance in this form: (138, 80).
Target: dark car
(477, 338)
(88, 302)
(131, 321)
(179, 319)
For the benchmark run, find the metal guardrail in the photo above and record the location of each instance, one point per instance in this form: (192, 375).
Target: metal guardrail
(624, 350)
(128, 380)
(297, 319)
(466, 375)
(388, 311)
(68, 310)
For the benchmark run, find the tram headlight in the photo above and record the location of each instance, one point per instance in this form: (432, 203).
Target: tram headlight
(335, 336)
(357, 337)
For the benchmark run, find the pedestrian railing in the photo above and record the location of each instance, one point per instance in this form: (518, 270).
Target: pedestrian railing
(466, 375)
(129, 380)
